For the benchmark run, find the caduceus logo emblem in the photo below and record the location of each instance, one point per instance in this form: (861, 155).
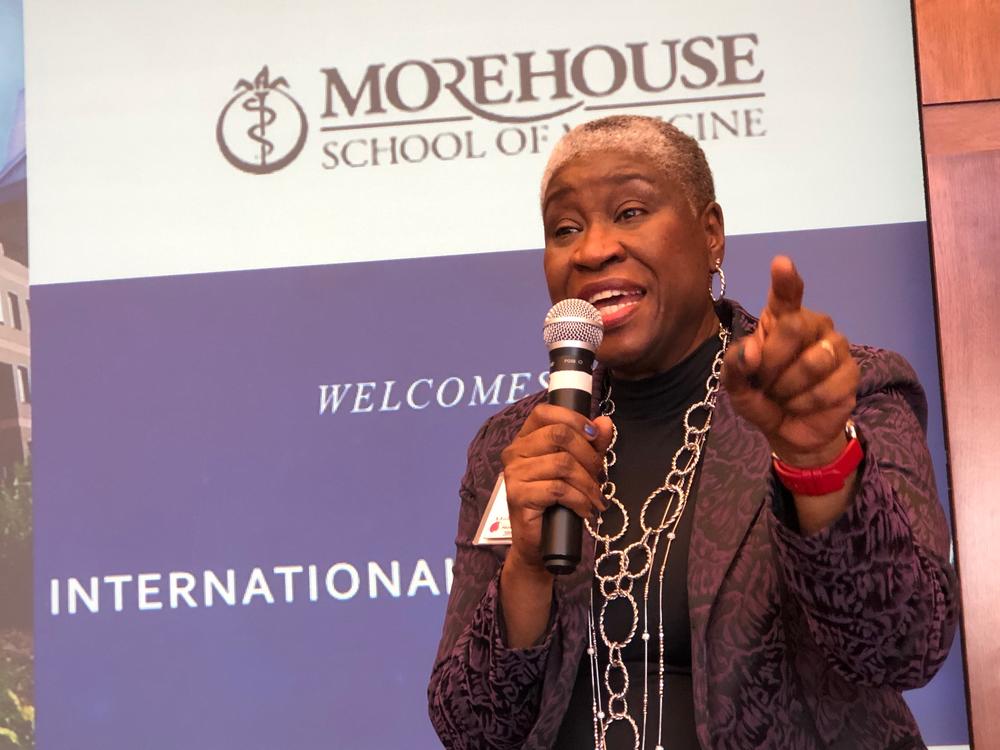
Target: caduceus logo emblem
(262, 128)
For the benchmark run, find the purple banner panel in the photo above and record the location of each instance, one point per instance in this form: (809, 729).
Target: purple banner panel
(246, 483)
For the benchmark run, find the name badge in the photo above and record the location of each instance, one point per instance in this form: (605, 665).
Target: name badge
(495, 526)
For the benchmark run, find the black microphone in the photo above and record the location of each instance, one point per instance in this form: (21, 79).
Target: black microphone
(573, 330)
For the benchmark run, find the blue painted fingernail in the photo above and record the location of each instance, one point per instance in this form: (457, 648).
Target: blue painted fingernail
(590, 429)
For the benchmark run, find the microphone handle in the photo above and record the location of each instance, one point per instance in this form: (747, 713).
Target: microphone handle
(562, 529)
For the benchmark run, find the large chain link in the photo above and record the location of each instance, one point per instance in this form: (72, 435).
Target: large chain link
(616, 570)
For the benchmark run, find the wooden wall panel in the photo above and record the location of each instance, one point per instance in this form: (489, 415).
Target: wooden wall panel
(965, 213)
(959, 45)
(958, 48)
(962, 128)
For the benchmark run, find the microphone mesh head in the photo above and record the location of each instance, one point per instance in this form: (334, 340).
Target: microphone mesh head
(573, 320)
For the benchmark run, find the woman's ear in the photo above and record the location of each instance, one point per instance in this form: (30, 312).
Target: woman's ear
(714, 225)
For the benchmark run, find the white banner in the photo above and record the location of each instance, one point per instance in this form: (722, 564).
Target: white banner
(387, 131)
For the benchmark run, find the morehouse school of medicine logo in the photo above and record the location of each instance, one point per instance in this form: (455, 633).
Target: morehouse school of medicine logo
(445, 108)
(262, 128)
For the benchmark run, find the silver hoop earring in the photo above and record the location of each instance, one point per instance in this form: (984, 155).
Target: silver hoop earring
(722, 282)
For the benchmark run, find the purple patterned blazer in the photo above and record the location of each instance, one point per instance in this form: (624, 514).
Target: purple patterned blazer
(797, 642)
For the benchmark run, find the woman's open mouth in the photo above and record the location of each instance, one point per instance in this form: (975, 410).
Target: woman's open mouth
(616, 305)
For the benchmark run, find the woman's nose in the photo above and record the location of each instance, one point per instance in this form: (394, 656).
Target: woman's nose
(598, 246)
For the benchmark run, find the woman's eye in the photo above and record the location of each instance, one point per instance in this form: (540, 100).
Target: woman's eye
(629, 213)
(562, 231)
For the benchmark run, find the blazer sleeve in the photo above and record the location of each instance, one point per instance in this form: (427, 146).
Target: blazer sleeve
(876, 587)
(482, 694)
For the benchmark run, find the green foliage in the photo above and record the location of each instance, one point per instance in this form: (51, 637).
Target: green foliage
(17, 714)
(15, 549)
(15, 508)
(17, 710)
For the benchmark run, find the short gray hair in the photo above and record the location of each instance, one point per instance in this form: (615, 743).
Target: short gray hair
(672, 151)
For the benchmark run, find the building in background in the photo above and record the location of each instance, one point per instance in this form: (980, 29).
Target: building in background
(15, 361)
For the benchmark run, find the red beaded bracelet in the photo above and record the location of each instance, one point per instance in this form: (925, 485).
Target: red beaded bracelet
(822, 480)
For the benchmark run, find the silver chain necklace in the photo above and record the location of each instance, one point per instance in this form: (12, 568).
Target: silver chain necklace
(617, 570)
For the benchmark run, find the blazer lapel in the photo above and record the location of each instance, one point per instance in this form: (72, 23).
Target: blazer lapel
(729, 499)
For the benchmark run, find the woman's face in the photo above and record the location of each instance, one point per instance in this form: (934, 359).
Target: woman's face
(621, 234)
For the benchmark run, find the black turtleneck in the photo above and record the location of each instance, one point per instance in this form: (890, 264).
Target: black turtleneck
(649, 415)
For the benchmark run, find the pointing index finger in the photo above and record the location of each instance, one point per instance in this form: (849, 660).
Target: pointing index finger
(785, 295)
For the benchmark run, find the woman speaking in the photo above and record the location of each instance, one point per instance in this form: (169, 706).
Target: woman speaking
(765, 560)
